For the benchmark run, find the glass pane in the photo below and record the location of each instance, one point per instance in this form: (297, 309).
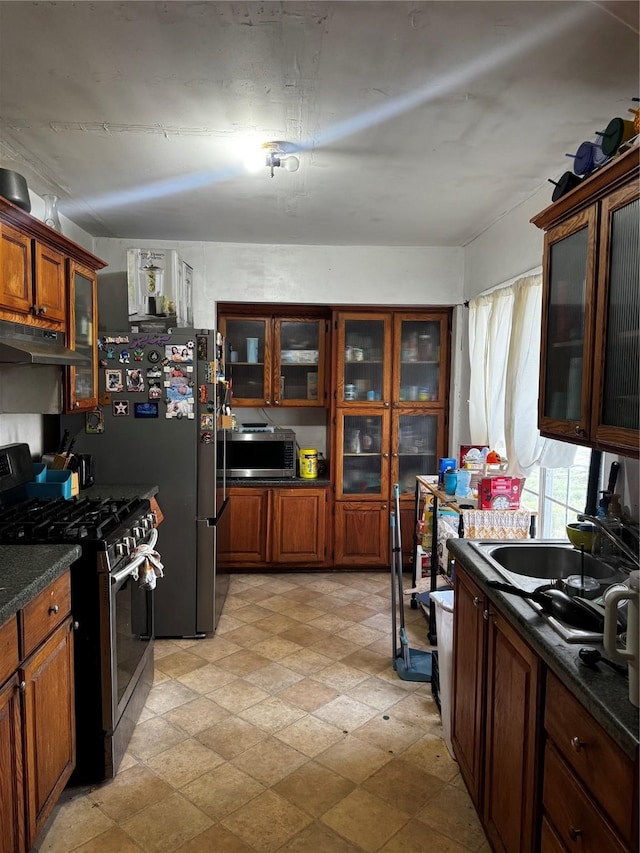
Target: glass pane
(299, 351)
(419, 360)
(361, 453)
(245, 342)
(363, 359)
(417, 448)
(620, 405)
(565, 331)
(83, 377)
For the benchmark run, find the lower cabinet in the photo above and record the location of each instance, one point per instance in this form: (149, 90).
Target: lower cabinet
(272, 527)
(496, 688)
(543, 775)
(587, 779)
(361, 534)
(37, 723)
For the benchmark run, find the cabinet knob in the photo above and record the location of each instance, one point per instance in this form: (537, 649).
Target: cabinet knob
(75, 626)
(477, 602)
(395, 455)
(276, 402)
(574, 834)
(576, 743)
(267, 402)
(579, 430)
(485, 615)
(42, 309)
(55, 608)
(386, 405)
(385, 455)
(23, 686)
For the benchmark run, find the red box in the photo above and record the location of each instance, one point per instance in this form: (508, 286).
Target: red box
(500, 492)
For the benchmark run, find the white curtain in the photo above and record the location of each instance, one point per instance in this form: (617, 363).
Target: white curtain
(504, 352)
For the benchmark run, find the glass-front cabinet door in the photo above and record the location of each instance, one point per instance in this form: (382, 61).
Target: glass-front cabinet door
(417, 441)
(82, 381)
(616, 417)
(364, 359)
(567, 326)
(247, 341)
(299, 362)
(362, 441)
(418, 371)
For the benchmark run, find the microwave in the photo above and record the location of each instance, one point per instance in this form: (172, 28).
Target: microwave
(260, 453)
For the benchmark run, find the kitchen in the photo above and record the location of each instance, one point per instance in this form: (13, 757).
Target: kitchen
(356, 271)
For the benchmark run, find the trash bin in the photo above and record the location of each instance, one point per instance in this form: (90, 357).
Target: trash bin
(443, 600)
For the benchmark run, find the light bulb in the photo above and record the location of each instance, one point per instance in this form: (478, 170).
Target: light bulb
(291, 164)
(254, 160)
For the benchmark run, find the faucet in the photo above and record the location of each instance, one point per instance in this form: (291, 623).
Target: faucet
(617, 540)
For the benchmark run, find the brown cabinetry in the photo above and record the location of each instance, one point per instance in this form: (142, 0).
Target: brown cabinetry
(48, 281)
(276, 360)
(37, 723)
(496, 686)
(390, 413)
(591, 305)
(587, 779)
(271, 527)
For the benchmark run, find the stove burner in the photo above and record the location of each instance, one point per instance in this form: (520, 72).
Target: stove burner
(79, 520)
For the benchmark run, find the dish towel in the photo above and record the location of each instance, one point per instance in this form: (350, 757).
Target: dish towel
(150, 569)
(496, 523)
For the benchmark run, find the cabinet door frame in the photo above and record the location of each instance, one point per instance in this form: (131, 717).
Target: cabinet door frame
(50, 284)
(342, 511)
(340, 320)
(468, 687)
(42, 794)
(616, 438)
(17, 248)
(570, 430)
(12, 801)
(299, 402)
(283, 525)
(90, 403)
(385, 456)
(443, 319)
(524, 667)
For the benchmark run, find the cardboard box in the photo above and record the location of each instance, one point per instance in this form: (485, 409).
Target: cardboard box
(500, 492)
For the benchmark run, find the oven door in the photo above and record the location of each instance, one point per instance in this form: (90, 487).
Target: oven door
(127, 636)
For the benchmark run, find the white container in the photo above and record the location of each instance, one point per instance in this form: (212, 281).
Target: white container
(159, 282)
(252, 350)
(443, 600)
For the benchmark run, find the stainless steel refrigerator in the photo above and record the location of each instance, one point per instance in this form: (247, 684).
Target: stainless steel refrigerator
(156, 424)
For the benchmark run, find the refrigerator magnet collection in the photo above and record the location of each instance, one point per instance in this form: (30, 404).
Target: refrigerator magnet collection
(160, 397)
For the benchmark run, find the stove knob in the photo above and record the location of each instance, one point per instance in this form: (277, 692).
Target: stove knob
(153, 518)
(122, 549)
(138, 532)
(131, 543)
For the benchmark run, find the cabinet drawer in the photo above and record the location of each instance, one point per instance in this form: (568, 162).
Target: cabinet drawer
(575, 816)
(602, 766)
(8, 648)
(44, 613)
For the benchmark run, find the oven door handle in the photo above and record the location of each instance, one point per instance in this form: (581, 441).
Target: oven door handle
(132, 565)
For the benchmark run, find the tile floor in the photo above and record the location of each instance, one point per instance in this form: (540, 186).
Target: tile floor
(287, 731)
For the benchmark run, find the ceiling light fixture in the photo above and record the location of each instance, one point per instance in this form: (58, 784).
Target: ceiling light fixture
(277, 154)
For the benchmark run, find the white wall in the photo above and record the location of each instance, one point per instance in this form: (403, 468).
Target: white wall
(249, 272)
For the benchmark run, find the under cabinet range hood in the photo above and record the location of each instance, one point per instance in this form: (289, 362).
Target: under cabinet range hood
(20, 344)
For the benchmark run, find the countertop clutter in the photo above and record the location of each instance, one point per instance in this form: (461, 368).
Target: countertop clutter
(603, 692)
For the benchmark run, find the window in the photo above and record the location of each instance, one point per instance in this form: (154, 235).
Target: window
(559, 494)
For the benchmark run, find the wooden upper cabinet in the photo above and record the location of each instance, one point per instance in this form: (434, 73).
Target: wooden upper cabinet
(590, 347)
(276, 360)
(50, 284)
(81, 386)
(16, 269)
(36, 263)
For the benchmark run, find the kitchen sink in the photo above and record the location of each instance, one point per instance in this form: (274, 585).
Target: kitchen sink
(546, 560)
(536, 564)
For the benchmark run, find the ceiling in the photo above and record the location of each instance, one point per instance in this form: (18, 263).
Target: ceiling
(417, 124)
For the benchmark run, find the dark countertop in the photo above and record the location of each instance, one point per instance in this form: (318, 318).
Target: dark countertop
(603, 692)
(25, 570)
(116, 490)
(285, 482)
